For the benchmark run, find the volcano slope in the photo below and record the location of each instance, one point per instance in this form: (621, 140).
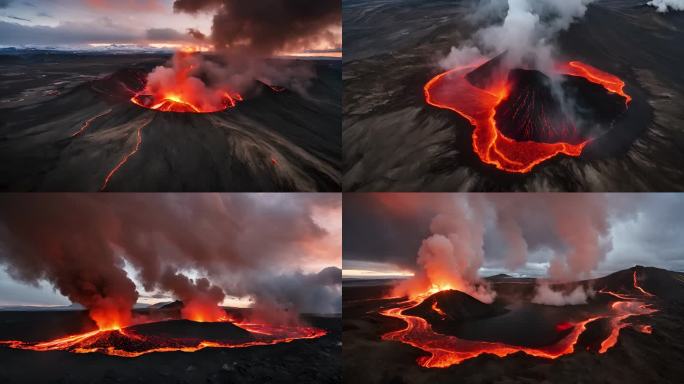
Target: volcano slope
(393, 140)
(315, 360)
(636, 356)
(67, 123)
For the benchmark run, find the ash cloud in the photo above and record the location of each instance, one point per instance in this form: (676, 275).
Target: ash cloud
(80, 243)
(268, 26)
(248, 34)
(666, 5)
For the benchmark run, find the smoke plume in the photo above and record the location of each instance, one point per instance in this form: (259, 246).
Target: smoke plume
(666, 5)
(571, 231)
(81, 243)
(544, 294)
(526, 34)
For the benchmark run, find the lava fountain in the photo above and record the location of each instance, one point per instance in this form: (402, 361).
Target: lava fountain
(176, 89)
(452, 90)
(446, 350)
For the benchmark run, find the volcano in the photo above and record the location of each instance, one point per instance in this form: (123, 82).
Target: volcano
(462, 336)
(51, 345)
(111, 127)
(171, 336)
(519, 120)
(395, 141)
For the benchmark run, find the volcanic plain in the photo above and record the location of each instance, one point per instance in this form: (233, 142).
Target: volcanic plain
(456, 338)
(306, 360)
(67, 123)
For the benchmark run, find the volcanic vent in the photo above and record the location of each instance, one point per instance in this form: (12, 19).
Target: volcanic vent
(180, 89)
(523, 117)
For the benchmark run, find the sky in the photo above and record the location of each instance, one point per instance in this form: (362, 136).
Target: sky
(383, 233)
(280, 247)
(96, 23)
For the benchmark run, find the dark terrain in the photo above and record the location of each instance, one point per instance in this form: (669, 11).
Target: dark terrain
(275, 140)
(636, 358)
(394, 141)
(300, 361)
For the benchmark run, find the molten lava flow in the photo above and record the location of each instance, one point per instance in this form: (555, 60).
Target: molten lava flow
(203, 312)
(452, 90)
(436, 308)
(636, 285)
(176, 90)
(126, 343)
(87, 123)
(446, 350)
(125, 159)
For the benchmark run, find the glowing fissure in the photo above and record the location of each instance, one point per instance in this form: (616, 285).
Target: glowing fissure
(451, 90)
(87, 123)
(126, 157)
(446, 350)
(99, 341)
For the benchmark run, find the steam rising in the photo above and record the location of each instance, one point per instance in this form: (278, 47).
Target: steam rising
(80, 244)
(665, 5)
(526, 34)
(544, 294)
(573, 228)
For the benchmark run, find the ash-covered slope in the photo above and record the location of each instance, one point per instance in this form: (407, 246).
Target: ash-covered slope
(91, 137)
(454, 306)
(186, 329)
(664, 284)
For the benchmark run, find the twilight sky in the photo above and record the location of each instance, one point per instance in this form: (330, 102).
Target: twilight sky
(522, 233)
(88, 23)
(280, 247)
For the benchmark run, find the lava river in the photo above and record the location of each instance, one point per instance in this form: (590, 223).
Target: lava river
(125, 342)
(445, 350)
(452, 90)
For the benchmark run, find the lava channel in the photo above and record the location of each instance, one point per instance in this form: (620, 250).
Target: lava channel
(125, 342)
(447, 350)
(452, 90)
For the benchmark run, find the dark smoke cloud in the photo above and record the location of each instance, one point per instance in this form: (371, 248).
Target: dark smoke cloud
(267, 26)
(302, 292)
(166, 34)
(79, 242)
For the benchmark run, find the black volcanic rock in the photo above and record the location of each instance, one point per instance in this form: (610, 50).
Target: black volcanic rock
(186, 329)
(456, 305)
(664, 284)
(533, 110)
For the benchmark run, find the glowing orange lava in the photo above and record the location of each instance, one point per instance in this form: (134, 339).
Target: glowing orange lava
(126, 157)
(87, 123)
(638, 287)
(446, 350)
(176, 90)
(126, 343)
(451, 90)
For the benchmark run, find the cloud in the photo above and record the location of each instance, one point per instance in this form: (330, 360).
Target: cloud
(98, 31)
(5, 3)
